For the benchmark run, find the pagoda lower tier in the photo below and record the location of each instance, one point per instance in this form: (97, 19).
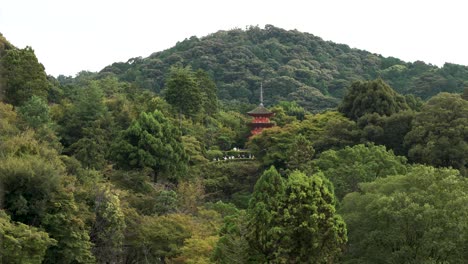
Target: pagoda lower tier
(258, 127)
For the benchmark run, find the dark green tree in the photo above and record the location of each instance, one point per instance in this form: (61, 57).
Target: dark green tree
(209, 92)
(300, 154)
(40, 195)
(183, 92)
(232, 246)
(371, 97)
(416, 217)
(151, 141)
(439, 136)
(86, 108)
(387, 130)
(465, 94)
(265, 230)
(22, 76)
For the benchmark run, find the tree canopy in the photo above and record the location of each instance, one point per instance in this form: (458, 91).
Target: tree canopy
(439, 135)
(371, 97)
(409, 218)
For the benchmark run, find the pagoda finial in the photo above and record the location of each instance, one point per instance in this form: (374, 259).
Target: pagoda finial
(261, 93)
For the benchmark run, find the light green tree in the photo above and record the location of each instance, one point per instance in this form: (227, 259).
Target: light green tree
(107, 233)
(418, 217)
(294, 220)
(35, 112)
(349, 167)
(22, 244)
(313, 232)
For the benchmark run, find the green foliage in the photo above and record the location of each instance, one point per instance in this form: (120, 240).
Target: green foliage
(294, 220)
(329, 130)
(209, 92)
(35, 112)
(439, 136)
(312, 230)
(194, 150)
(91, 149)
(371, 97)
(227, 180)
(87, 107)
(465, 94)
(22, 76)
(295, 66)
(183, 92)
(158, 238)
(387, 130)
(65, 224)
(232, 246)
(300, 154)
(108, 231)
(349, 167)
(8, 121)
(40, 194)
(411, 218)
(151, 141)
(22, 244)
(264, 217)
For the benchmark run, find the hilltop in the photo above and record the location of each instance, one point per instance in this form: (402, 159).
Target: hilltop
(292, 65)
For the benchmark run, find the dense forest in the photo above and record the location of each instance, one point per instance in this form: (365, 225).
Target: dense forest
(152, 161)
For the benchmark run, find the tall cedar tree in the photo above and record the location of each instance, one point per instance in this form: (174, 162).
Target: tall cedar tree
(313, 231)
(209, 92)
(183, 92)
(264, 219)
(295, 221)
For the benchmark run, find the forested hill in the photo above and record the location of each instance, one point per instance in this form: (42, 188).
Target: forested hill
(292, 65)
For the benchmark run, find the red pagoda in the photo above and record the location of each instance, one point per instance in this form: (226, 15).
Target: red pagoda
(261, 117)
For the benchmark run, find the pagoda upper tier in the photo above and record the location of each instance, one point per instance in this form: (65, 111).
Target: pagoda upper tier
(261, 119)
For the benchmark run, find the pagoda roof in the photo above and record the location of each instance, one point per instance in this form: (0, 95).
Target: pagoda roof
(260, 110)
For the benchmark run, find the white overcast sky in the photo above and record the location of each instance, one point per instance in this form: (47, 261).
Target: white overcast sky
(69, 36)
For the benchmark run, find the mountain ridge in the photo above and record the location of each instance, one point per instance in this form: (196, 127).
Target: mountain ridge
(292, 65)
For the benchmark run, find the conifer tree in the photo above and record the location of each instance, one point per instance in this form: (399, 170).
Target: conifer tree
(152, 141)
(183, 92)
(264, 219)
(313, 231)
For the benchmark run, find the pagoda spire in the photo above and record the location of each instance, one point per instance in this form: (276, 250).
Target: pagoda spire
(261, 116)
(261, 93)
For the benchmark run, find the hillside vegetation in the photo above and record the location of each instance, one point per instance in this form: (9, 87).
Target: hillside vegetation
(143, 163)
(292, 66)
